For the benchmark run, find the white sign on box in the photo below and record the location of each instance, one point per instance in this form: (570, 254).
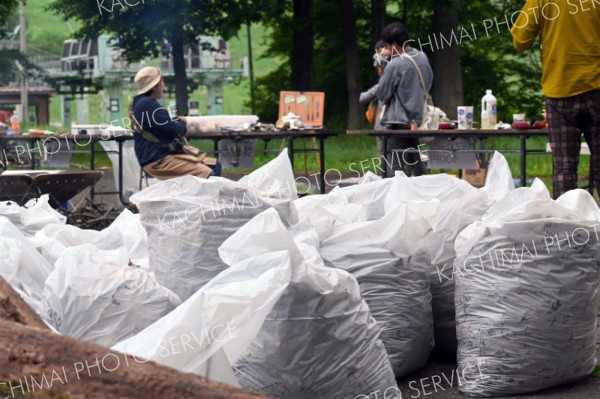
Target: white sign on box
(444, 155)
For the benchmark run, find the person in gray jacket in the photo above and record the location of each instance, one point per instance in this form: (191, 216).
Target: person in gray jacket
(400, 91)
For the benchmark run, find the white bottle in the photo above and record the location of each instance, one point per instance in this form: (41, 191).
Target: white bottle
(489, 111)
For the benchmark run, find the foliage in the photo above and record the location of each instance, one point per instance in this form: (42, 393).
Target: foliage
(329, 67)
(11, 60)
(141, 29)
(489, 61)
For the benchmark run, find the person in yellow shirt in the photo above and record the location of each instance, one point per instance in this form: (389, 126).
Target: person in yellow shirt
(570, 42)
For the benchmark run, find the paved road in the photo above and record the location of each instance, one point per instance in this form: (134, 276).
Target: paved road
(419, 386)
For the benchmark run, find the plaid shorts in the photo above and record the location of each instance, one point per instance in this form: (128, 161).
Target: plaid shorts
(567, 119)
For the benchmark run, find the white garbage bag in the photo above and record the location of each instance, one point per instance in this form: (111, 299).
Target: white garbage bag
(370, 193)
(320, 340)
(460, 204)
(33, 216)
(21, 265)
(527, 279)
(276, 178)
(325, 211)
(391, 266)
(224, 315)
(96, 296)
(126, 230)
(188, 218)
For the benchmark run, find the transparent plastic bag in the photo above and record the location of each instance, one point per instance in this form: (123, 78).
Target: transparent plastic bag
(188, 218)
(391, 266)
(95, 296)
(21, 265)
(320, 340)
(209, 331)
(527, 279)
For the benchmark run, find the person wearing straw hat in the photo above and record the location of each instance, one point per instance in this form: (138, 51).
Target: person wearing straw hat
(159, 139)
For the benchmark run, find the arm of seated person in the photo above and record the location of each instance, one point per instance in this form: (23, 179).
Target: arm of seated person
(165, 125)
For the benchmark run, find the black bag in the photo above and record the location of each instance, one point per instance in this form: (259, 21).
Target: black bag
(176, 147)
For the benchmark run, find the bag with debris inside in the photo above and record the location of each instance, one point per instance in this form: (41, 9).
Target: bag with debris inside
(188, 218)
(126, 230)
(391, 266)
(527, 280)
(33, 216)
(370, 194)
(325, 211)
(21, 265)
(98, 297)
(209, 331)
(320, 340)
(460, 204)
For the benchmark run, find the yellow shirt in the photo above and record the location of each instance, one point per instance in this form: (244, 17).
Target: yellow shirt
(570, 31)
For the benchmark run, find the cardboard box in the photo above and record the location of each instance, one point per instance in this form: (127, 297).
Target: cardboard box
(307, 105)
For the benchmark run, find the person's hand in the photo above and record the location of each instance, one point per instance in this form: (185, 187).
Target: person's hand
(183, 120)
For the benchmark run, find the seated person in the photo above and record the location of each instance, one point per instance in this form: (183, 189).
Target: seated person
(158, 134)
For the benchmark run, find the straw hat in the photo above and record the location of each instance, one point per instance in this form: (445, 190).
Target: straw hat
(146, 79)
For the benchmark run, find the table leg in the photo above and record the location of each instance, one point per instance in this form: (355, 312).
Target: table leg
(32, 156)
(523, 161)
(121, 173)
(92, 167)
(322, 165)
(291, 150)
(384, 146)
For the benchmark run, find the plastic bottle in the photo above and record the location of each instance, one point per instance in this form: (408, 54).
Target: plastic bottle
(489, 111)
(15, 123)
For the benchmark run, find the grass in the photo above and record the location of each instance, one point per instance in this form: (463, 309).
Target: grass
(597, 371)
(345, 153)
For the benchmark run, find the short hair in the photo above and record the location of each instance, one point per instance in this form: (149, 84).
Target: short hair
(395, 33)
(380, 44)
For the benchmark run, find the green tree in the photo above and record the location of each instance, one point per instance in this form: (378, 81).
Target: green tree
(141, 28)
(463, 70)
(11, 59)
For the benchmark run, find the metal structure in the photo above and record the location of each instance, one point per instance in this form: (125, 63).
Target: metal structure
(90, 66)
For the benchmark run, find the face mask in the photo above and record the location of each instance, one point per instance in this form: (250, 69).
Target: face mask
(379, 60)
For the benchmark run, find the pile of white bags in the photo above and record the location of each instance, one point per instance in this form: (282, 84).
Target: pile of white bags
(391, 266)
(320, 340)
(527, 280)
(96, 296)
(21, 265)
(460, 204)
(370, 194)
(188, 218)
(209, 331)
(126, 230)
(32, 217)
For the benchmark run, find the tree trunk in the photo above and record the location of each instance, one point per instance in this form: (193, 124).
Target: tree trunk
(53, 366)
(302, 46)
(378, 14)
(181, 93)
(353, 77)
(447, 87)
(13, 308)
